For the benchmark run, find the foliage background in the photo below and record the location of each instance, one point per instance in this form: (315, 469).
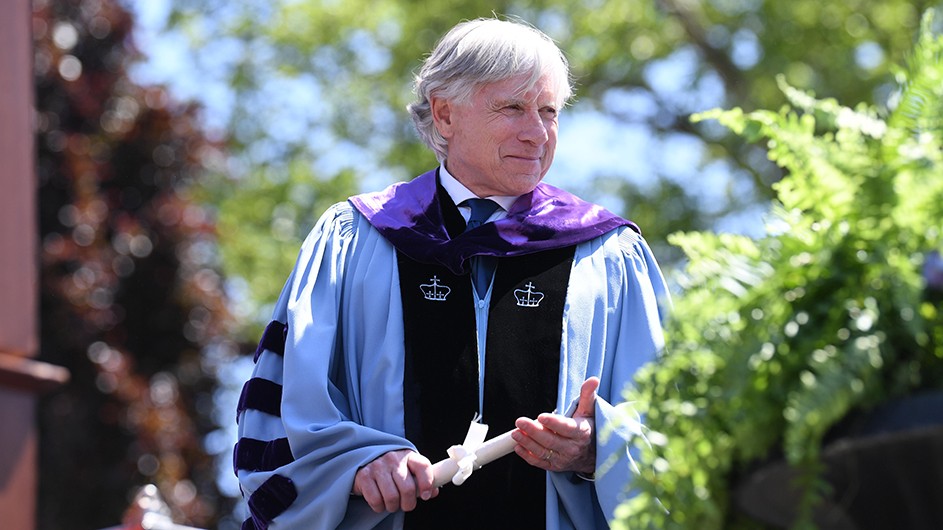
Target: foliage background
(331, 80)
(835, 310)
(168, 227)
(132, 301)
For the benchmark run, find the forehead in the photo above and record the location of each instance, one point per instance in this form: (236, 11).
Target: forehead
(520, 88)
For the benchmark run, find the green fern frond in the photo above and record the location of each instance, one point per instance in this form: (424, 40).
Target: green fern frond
(776, 339)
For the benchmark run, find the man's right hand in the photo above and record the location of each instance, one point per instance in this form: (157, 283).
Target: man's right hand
(395, 481)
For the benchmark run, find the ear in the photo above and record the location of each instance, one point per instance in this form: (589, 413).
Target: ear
(442, 116)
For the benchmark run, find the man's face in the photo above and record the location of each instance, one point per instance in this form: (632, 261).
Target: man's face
(500, 142)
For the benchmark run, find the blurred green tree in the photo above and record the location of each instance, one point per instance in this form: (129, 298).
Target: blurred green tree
(131, 299)
(323, 84)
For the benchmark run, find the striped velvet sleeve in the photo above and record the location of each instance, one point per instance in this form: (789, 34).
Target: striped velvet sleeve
(303, 429)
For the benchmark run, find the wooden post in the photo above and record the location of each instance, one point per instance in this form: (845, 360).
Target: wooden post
(21, 377)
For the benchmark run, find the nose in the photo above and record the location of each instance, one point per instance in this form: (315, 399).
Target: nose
(533, 129)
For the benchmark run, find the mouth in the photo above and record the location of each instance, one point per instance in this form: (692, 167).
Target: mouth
(527, 158)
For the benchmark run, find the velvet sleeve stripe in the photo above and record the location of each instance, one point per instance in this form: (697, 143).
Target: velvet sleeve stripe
(259, 455)
(273, 339)
(262, 395)
(272, 498)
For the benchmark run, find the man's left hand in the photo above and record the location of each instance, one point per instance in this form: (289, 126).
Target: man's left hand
(559, 443)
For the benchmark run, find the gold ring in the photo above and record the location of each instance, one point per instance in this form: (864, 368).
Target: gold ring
(549, 455)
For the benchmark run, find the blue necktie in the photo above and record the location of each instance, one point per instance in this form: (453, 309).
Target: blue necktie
(482, 266)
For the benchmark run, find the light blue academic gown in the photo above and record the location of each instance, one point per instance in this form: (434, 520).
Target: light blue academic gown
(342, 372)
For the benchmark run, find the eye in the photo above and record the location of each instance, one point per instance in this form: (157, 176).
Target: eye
(549, 112)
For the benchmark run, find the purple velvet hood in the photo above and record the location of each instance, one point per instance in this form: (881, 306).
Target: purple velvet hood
(409, 216)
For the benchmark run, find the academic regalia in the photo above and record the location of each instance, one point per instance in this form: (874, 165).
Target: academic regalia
(327, 393)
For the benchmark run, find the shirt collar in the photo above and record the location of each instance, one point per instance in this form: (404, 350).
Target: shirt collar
(459, 193)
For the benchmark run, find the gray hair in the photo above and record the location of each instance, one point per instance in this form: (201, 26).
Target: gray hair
(479, 52)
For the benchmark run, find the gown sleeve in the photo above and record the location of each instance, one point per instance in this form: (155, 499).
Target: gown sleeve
(303, 428)
(617, 301)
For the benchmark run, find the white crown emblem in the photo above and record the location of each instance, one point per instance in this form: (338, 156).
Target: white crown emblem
(433, 291)
(528, 298)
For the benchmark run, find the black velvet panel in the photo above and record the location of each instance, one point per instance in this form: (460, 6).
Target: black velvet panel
(522, 367)
(273, 339)
(440, 384)
(261, 455)
(272, 498)
(260, 394)
(525, 327)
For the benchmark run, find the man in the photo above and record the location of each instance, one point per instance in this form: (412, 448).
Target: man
(383, 347)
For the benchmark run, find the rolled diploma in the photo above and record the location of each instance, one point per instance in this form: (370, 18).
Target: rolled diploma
(489, 451)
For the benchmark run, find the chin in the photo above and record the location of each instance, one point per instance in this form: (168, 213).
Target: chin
(525, 184)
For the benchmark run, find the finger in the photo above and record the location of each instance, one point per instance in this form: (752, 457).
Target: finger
(533, 435)
(558, 425)
(587, 403)
(535, 444)
(551, 431)
(389, 492)
(566, 431)
(366, 487)
(405, 483)
(421, 469)
(534, 459)
(406, 488)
